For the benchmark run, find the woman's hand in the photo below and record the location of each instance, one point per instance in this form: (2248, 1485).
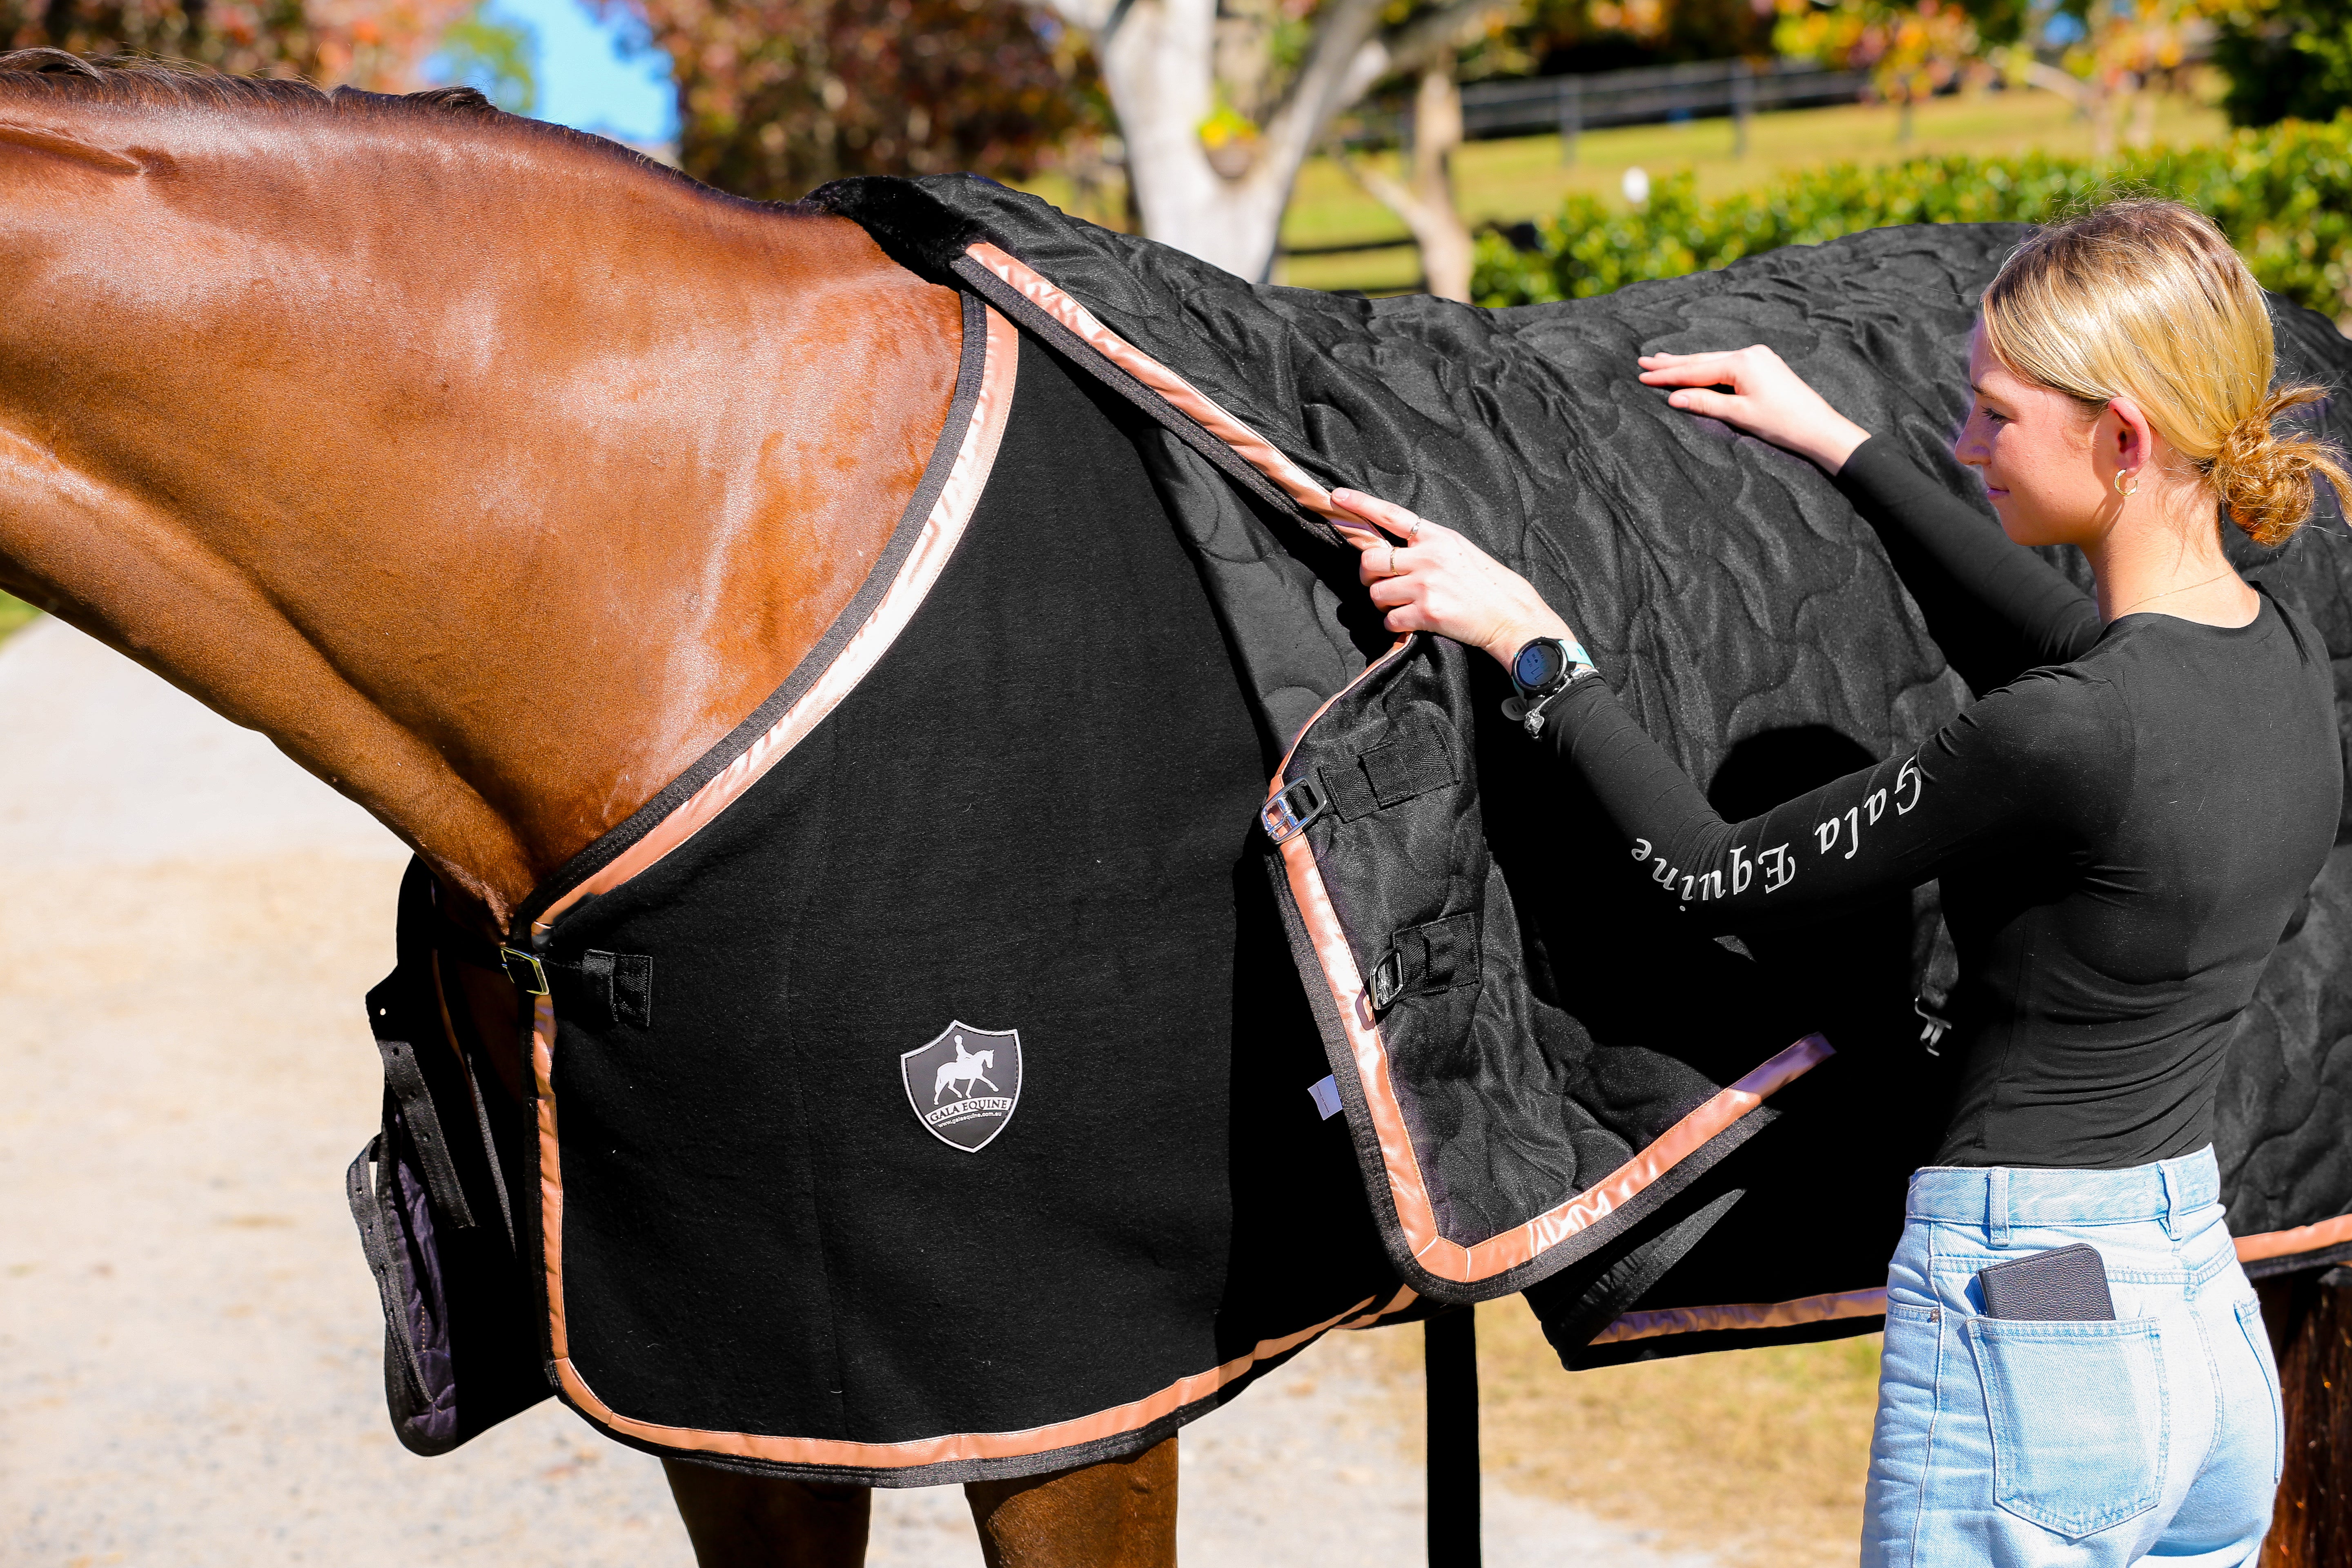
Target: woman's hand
(1437, 581)
(1767, 399)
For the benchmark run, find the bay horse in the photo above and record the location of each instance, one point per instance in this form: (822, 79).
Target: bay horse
(490, 470)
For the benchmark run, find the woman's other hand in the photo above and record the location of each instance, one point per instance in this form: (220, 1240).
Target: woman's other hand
(1437, 581)
(1767, 399)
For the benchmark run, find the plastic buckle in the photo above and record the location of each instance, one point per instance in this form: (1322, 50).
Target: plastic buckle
(535, 985)
(1285, 815)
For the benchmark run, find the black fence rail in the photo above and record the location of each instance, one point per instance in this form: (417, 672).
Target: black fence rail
(1708, 90)
(1705, 89)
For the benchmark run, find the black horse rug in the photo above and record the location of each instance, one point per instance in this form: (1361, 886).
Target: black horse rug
(922, 1088)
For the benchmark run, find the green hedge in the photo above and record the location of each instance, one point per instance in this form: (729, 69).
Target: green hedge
(2283, 193)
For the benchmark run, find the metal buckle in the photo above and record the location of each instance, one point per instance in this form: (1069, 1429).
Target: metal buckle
(1938, 1025)
(535, 985)
(1285, 817)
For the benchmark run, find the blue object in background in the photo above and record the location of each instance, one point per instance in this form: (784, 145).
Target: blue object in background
(591, 74)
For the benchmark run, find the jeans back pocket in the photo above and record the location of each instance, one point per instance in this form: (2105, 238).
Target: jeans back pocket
(2079, 1419)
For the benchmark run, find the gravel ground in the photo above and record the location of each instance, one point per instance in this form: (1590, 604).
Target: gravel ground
(189, 1342)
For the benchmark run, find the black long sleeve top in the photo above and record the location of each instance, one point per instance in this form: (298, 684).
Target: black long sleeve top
(2121, 835)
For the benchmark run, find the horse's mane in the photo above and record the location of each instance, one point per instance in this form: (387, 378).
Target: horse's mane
(139, 82)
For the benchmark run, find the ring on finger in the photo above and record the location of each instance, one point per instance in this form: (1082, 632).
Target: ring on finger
(1390, 570)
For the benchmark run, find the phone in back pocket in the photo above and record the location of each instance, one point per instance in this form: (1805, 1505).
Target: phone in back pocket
(2065, 1283)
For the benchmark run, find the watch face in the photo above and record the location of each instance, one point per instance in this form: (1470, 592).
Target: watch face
(1538, 665)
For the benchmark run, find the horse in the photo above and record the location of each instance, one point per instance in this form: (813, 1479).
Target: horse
(496, 475)
(301, 456)
(968, 1068)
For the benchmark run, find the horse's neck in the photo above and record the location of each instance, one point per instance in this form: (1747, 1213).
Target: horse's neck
(493, 503)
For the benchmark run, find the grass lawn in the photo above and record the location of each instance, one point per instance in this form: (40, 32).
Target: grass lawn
(14, 614)
(1757, 1457)
(1509, 181)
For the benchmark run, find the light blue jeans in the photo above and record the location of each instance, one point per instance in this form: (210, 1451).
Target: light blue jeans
(2033, 1445)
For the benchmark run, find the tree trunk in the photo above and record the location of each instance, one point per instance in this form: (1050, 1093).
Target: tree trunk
(1425, 199)
(1157, 63)
(2310, 1324)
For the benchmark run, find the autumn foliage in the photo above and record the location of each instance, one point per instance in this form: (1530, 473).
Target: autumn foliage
(778, 96)
(367, 43)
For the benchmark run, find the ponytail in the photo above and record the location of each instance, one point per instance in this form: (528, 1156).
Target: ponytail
(2265, 479)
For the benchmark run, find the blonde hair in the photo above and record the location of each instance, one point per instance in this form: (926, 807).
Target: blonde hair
(2145, 299)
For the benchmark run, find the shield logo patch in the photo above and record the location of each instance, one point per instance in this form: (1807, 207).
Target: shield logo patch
(964, 1084)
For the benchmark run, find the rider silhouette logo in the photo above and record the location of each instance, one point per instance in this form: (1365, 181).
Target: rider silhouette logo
(964, 1084)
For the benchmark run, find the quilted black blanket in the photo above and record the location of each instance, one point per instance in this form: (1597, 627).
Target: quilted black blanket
(1537, 1068)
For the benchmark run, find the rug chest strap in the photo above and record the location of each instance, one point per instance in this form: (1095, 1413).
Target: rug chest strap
(1413, 761)
(404, 1086)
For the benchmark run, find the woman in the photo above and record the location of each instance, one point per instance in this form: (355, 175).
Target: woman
(2123, 833)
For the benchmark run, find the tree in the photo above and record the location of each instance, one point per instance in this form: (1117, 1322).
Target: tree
(1425, 198)
(2286, 59)
(1564, 36)
(2116, 53)
(775, 97)
(381, 47)
(1218, 111)
(1912, 51)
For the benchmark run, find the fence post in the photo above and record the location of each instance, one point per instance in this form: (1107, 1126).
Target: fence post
(1572, 116)
(1450, 1356)
(1743, 104)
(2309, 1315)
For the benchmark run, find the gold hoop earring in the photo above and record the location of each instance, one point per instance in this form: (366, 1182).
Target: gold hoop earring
(2121, 474)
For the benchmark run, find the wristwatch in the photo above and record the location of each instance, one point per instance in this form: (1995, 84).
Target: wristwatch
(1541, 671)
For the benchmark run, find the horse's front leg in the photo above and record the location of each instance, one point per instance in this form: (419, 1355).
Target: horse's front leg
(762, 1521)
(1120, 1513)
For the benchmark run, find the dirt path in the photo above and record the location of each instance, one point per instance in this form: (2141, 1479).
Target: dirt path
(189, 1344)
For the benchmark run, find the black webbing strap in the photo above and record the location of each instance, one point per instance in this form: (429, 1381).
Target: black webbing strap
(623, 983)
(403, 1081)
(1449, 1348)
(1428, 958)
(1413, 762)
(476, 1067)
(620, 982)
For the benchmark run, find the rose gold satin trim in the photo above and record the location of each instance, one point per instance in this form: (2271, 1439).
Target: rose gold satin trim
(940, 533)
(1361, 675)
(1677, 1143)
(1405, 1297)
(2301, 1239)
(1447, 1259)
(867, 1456)
(1205, 410)
(550, 1168)
(1409, 1193)
(957, 1446)
(1748, 1315)
(1337, 959)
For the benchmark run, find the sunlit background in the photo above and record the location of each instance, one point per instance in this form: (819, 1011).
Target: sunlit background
(589, 72)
